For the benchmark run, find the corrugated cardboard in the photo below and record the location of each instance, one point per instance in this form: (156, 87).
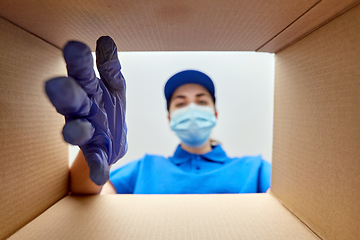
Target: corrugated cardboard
(316, 128)
(248, 216)
(187, 25)
(33, 160)
(314, 18)
(316, 147)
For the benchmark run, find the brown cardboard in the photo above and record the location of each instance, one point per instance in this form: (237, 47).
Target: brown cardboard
(34, 159)
(317, 16)
(316, 147)
(316, 125)
(161, 25)
(248, 216)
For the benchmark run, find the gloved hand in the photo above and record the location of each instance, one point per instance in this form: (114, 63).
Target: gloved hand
(94, 109)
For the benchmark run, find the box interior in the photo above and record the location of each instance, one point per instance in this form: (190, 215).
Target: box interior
(316, 119)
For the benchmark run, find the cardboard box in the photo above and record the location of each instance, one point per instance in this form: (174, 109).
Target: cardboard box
(316, 147)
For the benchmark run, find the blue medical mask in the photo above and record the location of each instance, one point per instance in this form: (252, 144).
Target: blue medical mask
(193, 124)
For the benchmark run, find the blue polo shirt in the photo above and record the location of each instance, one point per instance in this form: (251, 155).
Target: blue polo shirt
(187, 173)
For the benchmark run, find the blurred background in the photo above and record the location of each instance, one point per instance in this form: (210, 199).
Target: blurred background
(244, 83)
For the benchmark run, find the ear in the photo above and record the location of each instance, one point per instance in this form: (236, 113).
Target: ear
(169, 117)
(216, 114)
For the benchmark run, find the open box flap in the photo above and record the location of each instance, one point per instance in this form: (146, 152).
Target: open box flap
(223, 216)
(34, 158)
(321, 13)
(316, 146)
(162, 25)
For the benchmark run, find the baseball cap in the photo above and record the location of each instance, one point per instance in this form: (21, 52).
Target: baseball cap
(188, 76)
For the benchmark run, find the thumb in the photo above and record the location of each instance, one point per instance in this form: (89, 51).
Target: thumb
(78, 131)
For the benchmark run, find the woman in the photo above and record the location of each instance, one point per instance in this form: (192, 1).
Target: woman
(196, 167)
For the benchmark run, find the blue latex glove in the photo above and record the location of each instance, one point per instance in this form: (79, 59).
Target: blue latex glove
(94, 109)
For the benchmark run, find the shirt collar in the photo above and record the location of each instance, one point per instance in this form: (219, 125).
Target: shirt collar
(216, 155)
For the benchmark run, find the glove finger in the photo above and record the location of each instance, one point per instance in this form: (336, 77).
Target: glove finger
(68, 97)
(80, 66)
(108, 64)
(98, 165)
(78, 131)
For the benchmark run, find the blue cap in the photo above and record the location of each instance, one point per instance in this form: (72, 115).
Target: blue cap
(188, 76)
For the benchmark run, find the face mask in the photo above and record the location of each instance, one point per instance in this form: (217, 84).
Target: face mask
(193, 124)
